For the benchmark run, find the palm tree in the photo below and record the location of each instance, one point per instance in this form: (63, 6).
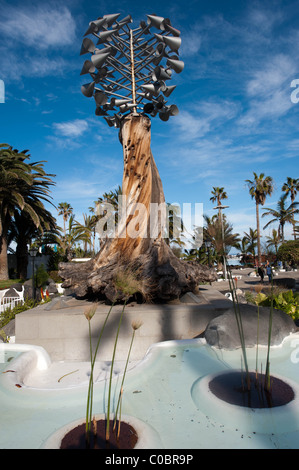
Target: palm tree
(213, 232)
(243, 246)
(282, 215)
(175, 225)
(22, 230)
(251, 239)
(112, 198)
(86, 230)
(24, 186)
(66, 210)
(95, 218)
(218, 194)
(73, 235)
(259, 189)
(275, 240)
(291, 187)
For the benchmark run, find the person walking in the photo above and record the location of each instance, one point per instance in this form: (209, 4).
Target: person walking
(261, 273)
(269, 271)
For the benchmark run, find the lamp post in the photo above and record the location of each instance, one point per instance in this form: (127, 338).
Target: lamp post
(33, 252)
(220, 207)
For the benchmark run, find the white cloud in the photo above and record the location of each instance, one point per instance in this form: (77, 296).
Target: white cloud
(272, 77)
(206, 116)
(39, 27)
(268, 90)
(191, 42)
(73, 128)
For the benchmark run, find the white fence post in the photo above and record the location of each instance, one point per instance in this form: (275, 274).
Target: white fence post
(9, 302)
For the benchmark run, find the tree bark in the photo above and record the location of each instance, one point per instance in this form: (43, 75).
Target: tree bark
(4, 275)
(259, 256)
(139, 242)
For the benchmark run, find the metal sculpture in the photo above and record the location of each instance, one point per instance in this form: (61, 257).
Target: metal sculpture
(130, 85)
(128, 70)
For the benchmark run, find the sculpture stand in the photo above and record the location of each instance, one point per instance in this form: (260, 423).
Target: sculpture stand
(139, 243)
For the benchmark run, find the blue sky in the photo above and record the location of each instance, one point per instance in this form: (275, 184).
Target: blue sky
(234, 96)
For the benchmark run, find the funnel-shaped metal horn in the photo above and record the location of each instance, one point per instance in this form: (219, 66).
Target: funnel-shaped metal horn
(109, 49)
(159, 53)
(145, 27)
(100, 98)
(99, 23)
(148, 108)
(160, 105)
(156, 21)
(168, 90)
(162, 74)
(120, 102)
(173, 43)
(164, 116)
(87, 89)
(118, 118)
(110, 121)
(109, 106)
(174, 110)
(168, 111)
(99, 59)
(105, 36)
(126, 107)
(159, 37)
(147, 95)
(150, 88)
(87, 46)
(102, 73)
(176, 65)
(127, 19)
(88, 67)
(111, 18)
(94, 26)
(100, 112)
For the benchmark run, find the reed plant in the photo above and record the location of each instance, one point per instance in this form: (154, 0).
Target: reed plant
(238, 317)
(135, 326)
(127, 283)
(267, 384)
(258, 289)
(267, 378)
(89, 313)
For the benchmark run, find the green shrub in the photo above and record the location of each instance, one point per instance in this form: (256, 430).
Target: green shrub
(41, 276)
(10, 313)
(289, 252)
(286, 301)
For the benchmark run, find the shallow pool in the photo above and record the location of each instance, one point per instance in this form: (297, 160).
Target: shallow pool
(166, 390)
(6, 357)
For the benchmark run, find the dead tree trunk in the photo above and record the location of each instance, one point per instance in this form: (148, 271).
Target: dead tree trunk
(139, 243)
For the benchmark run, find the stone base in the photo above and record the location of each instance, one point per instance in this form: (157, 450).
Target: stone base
(61, 328)
(222, 332)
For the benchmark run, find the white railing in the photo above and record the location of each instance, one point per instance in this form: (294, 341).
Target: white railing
(9, 302)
